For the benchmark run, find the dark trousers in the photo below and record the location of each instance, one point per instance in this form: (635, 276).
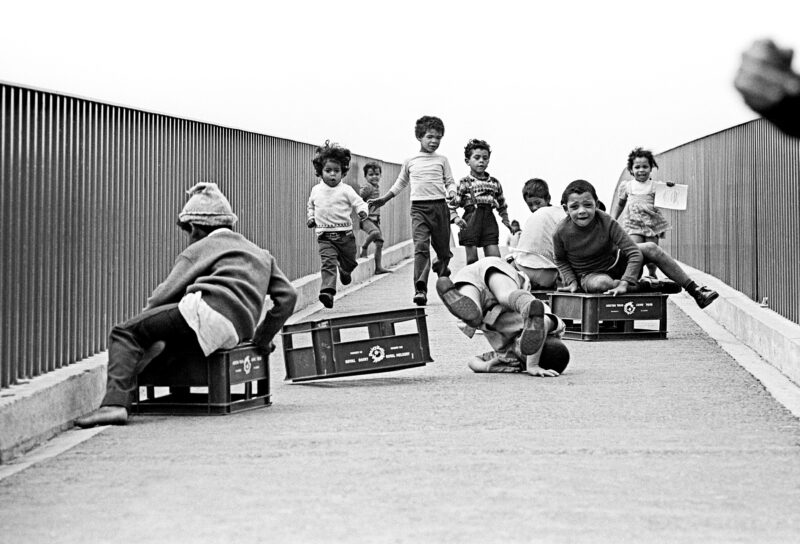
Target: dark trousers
(129, 341)
(336, 249)
(430, 223)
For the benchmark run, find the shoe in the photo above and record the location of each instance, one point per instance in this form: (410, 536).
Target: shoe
(420, 298)
(105, 415)
(459, 305)
(345, 277)
(704, 296)
(326, 299)
(533, 335)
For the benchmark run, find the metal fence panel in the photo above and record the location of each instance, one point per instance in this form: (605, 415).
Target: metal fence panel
(88, 202)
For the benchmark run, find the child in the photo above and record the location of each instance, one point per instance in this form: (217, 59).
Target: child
(533, 255)
(432, 187)
(329, 207)
(512, 239)
(212, 299)
(372, 224)
(592, 251)
(641, 219)
(479, 193)
(492, 296)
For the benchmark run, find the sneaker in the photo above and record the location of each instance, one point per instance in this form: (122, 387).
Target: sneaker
(420, 298)
(326, 299)
(704, 296)
(533, 335)
(459, 305)
(345, 277)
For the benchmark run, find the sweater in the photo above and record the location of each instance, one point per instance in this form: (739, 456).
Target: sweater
(330, 207)
(234, 277)
(591, 249)
(429, 176)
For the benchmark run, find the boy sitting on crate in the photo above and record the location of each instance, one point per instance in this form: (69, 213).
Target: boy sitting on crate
(493, 296)
(212, 299)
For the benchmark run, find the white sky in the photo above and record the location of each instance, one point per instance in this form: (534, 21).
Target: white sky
(561, 90)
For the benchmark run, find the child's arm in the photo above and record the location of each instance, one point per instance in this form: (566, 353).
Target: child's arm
(564, 268)
(449, 180)
(357, 203)
(403, 179)
(173, 288)
(310, 221)
(502, 205)
(622, 199)
(620, 238)
(284, 297)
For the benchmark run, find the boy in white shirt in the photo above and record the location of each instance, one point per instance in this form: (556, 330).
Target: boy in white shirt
(329, 207)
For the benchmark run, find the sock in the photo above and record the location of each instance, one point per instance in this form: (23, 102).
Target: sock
(691, 287)
(520, 301)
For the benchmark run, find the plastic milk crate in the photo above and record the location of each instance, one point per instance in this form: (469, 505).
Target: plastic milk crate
(228, 378)
(356, 344)
(604, 317)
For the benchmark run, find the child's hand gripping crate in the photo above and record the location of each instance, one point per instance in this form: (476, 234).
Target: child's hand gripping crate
(356, 344)
(606, 317)
(220, 375)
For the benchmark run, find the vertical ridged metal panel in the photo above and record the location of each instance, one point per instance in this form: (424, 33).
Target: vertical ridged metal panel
(89, 198)
(741, 223)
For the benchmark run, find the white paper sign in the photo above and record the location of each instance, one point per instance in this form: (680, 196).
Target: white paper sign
(673, 197)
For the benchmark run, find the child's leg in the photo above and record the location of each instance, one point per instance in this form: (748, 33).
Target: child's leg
(329, 259)
(491, 250)
(379, 269)
(373, 234)
(421, 235)
(541, 278)
(598, 283)
(472, 254)
(462, 300)
(639, 239)
(440, 237)
(507, 292)
(346, 257)
(652, 252)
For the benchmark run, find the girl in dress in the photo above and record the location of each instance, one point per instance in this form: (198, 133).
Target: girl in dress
(635, 207)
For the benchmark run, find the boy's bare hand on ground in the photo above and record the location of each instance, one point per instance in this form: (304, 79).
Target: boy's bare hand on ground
(542, 372)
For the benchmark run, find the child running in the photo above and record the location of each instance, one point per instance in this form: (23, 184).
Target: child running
(432, 187)
(490, 295)
(372, 224)
(329, 207)
(594, 253)
(212, 299)
(479, 194)
(640, 218)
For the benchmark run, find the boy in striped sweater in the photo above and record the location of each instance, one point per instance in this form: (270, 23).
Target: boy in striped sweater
(328, 211)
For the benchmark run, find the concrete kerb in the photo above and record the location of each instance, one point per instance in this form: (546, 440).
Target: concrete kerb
(759, 330)
(33, 412)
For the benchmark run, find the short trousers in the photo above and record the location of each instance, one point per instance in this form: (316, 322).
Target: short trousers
(476, 273)
(481, 229)
(372, 225)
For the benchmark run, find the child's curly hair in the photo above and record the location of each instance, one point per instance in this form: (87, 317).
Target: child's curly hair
(474, 144)
(641, 152)
(577, 187)
(536, 187)
(331, 152)
(426, 123)
(372, 165)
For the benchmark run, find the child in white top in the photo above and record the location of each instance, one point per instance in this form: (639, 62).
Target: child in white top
(640, 219)
(432, 187)
(329, 207)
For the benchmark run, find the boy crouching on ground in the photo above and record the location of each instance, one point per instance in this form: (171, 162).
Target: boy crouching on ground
(491, 295)
(212, 299)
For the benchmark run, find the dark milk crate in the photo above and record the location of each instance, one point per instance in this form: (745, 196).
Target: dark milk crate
(356, 344)
(594, 316)
(232, 380)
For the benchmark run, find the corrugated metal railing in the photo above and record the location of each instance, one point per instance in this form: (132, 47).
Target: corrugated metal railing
(89, 198)
(742, 223)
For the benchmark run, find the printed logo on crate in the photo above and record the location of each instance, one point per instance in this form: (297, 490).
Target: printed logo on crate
(638, 308)
(390, 352)
(247, 367)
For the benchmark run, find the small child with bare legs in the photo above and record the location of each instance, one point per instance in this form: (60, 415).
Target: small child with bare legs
(372, 224)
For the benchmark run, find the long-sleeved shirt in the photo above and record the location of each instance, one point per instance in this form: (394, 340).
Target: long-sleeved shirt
(428, 175)
(471, 192)
(233, 277)
(331, 207)
(583, 250)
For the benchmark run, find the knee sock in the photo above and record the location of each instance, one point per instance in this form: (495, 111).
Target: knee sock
(520, 301)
